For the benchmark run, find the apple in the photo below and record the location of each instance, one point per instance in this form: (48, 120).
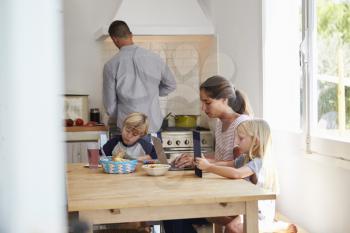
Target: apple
(69, 122)
(79, 122)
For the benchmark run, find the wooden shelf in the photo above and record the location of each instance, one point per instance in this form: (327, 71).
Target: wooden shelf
(85, 128)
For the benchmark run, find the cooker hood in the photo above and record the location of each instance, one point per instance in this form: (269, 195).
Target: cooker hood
(162, 17)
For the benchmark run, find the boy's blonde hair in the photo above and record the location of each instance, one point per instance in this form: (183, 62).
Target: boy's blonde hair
(260, 132)
(137, 122)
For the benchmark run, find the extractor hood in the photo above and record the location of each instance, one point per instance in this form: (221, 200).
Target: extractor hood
(162, 17)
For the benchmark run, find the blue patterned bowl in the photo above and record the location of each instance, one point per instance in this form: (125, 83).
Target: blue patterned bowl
(113, 167)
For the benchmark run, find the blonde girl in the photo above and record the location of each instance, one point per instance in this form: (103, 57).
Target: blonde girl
(255, 165)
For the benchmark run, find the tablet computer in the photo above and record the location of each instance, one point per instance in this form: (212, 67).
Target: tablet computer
(197, 151)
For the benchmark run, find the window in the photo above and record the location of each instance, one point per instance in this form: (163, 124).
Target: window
(326, 66)
(306, 72)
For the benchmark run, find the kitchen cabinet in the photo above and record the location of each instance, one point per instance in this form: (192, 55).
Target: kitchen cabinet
(76, 152)
(79, 139)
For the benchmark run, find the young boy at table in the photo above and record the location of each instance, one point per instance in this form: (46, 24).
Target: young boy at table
(130, 144)
(255, 165)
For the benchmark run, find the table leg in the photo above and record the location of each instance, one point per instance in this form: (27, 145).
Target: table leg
(217, 228)
(91, 228)
(87, 221)
(251, 217)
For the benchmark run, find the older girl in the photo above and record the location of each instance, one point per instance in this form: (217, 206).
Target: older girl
(222, 101)
(255, 165)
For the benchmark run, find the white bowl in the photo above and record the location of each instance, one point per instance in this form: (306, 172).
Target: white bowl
(156, 169)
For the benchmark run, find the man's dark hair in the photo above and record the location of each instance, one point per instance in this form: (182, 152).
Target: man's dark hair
(119, 29)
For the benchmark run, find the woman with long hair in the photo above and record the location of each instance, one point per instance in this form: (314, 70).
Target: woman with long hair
(222, 101)
(229, 106)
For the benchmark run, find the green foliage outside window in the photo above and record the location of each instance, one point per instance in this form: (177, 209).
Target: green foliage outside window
(333, 28)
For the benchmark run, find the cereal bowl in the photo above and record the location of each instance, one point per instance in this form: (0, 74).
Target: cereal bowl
(118, 167)
(156, 169)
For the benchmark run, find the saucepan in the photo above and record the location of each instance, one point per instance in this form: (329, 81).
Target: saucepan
(181, 121)
(186, 121)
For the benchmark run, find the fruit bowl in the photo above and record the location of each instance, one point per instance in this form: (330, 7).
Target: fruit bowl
(156, 169)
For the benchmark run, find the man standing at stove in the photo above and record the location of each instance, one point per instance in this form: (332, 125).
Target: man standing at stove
(134, 78)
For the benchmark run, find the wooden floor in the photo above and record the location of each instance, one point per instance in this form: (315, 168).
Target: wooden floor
(132, 227)
(208, 229)
(285, 219)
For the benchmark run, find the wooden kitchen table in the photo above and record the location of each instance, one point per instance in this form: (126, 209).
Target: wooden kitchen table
(102, 198)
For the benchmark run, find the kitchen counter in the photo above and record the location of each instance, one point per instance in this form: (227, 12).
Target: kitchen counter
(84, 133)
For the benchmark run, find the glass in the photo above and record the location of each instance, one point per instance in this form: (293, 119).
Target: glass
(94, 156)
(95, 115)
(331, 112)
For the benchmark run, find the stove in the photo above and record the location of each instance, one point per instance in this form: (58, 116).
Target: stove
(180, 140)
(176, 140)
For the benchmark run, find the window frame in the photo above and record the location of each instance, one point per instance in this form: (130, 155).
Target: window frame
(315, 144)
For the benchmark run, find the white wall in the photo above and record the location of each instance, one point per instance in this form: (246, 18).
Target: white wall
(281, 69)
(83, 54)
(315, 191)
(237, 23)
(238, 27)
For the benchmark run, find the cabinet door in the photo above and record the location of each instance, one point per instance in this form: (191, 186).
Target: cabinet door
(73, 152)
(69, 152)
(76, 152)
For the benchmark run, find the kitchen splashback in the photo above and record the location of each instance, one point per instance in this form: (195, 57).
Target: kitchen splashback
(192, 60)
